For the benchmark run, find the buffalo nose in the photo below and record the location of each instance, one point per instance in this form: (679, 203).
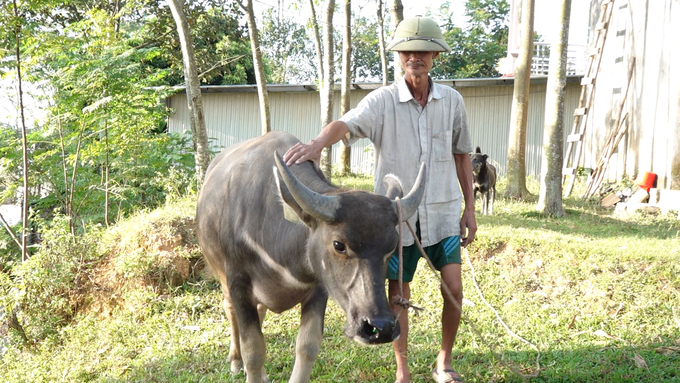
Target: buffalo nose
(379, 330)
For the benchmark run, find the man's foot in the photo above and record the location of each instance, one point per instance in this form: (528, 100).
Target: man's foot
(446, 376)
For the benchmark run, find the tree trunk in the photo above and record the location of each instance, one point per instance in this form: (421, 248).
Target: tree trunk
(397, 11)
(259, 66)
(520, 107)
(550, 196)
(106, 175)
(381, 39)
(346, 155)
(193, 88)
(317, 44)
(24, 141)
(328, 83)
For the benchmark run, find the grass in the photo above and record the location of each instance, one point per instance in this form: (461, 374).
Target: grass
(598, 295)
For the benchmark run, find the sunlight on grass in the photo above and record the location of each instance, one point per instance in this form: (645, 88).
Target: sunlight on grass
(597, 294)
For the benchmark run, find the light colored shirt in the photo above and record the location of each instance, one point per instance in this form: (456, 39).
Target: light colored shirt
(404, 134)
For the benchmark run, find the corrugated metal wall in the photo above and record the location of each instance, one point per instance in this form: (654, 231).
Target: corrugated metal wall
(232, 117)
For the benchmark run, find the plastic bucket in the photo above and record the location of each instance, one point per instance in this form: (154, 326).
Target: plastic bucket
(645, 180)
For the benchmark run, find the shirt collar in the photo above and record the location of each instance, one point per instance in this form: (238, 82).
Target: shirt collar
(406, 96)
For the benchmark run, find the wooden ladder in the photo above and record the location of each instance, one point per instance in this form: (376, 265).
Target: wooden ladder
(585, 101)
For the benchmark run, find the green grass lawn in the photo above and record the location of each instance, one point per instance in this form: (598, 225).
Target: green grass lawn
(598, 295)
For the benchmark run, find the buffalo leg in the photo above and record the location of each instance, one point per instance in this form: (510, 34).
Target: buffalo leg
(309, 336)
(485, 201)
(492, 198)
(235, 345)
(253, 348)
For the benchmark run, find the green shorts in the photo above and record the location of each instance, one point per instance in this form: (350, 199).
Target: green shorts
(445, 252)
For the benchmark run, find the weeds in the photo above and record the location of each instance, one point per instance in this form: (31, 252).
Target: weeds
(597, 294)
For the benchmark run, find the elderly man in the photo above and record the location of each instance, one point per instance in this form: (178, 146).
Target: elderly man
(411, 121)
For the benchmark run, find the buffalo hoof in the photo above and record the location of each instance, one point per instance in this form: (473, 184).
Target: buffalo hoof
(236, 366)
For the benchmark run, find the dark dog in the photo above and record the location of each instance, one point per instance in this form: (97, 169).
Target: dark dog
(484, 180)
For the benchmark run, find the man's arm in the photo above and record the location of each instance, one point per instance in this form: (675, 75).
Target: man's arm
(311, 151)
(468, 224)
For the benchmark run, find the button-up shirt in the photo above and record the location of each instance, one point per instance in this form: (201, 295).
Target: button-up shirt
(405, 134)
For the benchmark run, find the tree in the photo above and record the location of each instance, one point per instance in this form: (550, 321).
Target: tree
(24, 144)
(397, 11)
(366, 60)
(381, 43)
(520, 107)
(475, 50)
(326, 73)
(346, 155)
(550, 195)
(193, 89)
(262, 93)
(287, 52)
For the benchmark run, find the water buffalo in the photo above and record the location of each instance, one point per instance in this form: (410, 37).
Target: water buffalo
(277, 236)
(484, 180)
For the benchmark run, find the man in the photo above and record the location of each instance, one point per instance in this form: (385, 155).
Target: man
(411, 121)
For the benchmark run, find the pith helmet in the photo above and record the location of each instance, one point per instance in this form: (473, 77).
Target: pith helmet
(418, 34)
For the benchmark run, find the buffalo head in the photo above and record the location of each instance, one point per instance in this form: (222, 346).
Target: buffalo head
(352, 235)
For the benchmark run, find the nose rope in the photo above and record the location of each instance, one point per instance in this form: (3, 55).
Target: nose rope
(405, 303)
(399, 300)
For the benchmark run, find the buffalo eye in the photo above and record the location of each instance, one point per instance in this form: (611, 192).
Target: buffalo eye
(339, 246)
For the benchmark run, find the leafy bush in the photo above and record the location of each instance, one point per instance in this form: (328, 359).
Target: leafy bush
(45, 291)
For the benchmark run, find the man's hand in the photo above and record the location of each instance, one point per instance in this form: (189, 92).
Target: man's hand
(300, 153)
(468, 227)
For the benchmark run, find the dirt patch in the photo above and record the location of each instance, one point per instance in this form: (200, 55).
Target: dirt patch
(157, 259)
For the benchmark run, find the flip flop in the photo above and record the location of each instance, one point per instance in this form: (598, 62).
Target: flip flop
(447, 376)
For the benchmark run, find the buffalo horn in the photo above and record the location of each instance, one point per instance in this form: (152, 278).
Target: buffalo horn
(410, 203)
(317, 205)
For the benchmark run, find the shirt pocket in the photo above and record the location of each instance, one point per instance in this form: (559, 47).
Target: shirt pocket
(441, 145)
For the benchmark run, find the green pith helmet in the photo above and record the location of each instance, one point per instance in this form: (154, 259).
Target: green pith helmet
(418, 34)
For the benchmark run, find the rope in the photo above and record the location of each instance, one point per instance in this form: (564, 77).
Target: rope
(405, 304)
(399, 300)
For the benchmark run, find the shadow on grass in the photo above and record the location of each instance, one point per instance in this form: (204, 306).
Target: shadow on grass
(594, 225)
(369, 364)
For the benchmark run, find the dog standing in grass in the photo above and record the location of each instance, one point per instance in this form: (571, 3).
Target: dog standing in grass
(484, 179)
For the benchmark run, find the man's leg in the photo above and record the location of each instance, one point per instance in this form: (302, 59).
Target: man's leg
(451, 276)
(400, 345)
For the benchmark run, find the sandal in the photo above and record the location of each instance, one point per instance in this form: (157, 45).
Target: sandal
(447, 376)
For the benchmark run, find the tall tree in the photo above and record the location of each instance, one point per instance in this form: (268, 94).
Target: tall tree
(476, 48)
(520, 107)
(381, 43)
(24, 143)
(193, 89)
(550, 195)
(346, 155)
(259, 66)
(397, 11)
(326, 73)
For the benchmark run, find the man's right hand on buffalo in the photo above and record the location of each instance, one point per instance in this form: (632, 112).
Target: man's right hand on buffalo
(300, 153)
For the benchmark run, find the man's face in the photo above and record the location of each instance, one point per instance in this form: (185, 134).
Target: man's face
(417, 63)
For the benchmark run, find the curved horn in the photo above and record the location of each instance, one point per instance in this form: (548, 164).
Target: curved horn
(410, 203)
(317, 205)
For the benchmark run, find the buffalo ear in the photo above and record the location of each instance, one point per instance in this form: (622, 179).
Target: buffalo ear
(485, 157)
(393, 185)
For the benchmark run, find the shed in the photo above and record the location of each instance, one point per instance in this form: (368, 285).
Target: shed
(232, 115)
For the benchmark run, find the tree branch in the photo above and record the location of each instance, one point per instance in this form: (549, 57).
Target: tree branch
(9, 230)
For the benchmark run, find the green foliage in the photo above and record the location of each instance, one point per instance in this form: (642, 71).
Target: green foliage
(287, 49)
(475, 50)
(221, 43)
(44, 291)
(595, 293)
(366, 64)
